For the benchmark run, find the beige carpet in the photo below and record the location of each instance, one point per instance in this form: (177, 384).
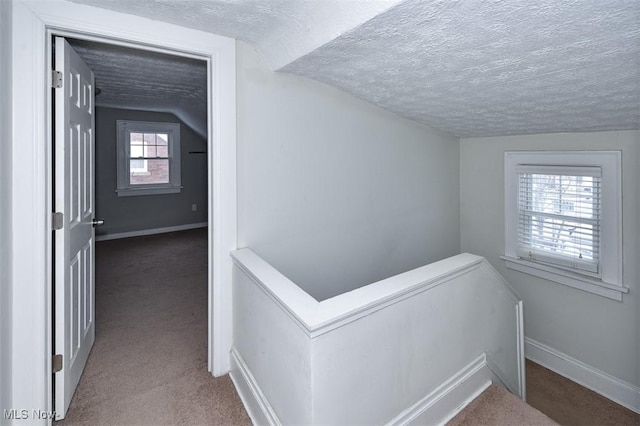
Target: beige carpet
(496, 406)
(569, 404)
(560, 399)
(149, 362)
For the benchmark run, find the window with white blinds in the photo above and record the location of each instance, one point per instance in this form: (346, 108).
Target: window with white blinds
(559, 213)
(563, 218)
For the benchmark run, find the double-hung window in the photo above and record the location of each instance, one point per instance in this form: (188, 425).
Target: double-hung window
(563, 218)
(148, 158)
(559, 216)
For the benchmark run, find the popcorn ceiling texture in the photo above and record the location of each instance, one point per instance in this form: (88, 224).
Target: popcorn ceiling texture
(283, 30)
(482, 68)
(471, 68)
(150, 81)
(244, 19)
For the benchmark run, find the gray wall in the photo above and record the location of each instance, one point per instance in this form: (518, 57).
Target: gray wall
(126, 214)
(334, 192)
(600, 332)
(5, 211)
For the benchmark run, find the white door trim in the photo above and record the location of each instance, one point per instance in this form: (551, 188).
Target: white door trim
(31, 201)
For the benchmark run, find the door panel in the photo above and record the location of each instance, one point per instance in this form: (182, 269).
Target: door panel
(75, 242)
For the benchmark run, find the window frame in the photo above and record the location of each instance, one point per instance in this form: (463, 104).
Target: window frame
(124, 187)
(561, 260)
(608, 281)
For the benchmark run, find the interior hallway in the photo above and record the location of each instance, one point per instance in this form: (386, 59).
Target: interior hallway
(149, 361)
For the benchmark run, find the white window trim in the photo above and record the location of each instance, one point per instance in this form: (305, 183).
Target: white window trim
(123, 129)
(610, 283)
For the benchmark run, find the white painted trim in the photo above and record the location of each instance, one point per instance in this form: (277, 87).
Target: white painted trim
(254, 401)
(448, 399)
(521, 391)
(31, 201)
(30, 204)
(116, 236)
(438, 407)
(138, 192)
(619, 391)
(581, 282)
(316, 318)
(522, 371)
(611, 273)
(124, 129)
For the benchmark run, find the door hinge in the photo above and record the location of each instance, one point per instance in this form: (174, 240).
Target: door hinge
(56, 79)
(58, 220)
(57, 363)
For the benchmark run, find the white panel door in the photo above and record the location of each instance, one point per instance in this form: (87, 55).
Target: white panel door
(75, 242)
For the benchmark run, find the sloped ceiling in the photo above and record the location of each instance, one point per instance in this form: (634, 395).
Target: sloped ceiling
(479, 68)
(145, 80)
(283, 30)
(468, 67)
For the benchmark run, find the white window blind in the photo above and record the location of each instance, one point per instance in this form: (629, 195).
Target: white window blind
(559, 214)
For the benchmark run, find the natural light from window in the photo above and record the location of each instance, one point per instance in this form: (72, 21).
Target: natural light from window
(559, 219)
(563, 218)
(149, 158)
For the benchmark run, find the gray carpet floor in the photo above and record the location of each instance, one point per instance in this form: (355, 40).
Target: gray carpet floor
(560, 399)
(571, 404)
(496, 406)
(148, 365)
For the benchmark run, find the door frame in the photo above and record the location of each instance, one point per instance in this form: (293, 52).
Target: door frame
(34, 22)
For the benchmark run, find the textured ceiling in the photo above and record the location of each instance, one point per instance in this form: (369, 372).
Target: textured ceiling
(144, 80)
(480, 68)
(283, 30)
(468, 67)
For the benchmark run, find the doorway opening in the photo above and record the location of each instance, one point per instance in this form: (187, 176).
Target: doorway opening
(34, 23)
(137, 87)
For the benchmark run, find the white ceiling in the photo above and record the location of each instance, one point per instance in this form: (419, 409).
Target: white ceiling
(468, 67)
(478, 68)
(144, 80)
(283, 30)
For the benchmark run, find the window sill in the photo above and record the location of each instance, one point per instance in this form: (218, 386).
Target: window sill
(131, 192)
(591, 285)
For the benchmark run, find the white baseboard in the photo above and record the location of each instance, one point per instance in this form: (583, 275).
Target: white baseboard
(611, 387)
(451, 397)
(250, 393)
(438, 407)
(154, 231)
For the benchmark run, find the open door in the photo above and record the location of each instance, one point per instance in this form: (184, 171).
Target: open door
(74, 252)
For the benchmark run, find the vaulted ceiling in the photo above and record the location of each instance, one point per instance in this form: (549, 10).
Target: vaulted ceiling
(468, 67)
(145, 80)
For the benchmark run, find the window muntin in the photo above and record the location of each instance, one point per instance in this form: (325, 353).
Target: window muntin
(556, 257)
(148, 158)
(559, 216)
